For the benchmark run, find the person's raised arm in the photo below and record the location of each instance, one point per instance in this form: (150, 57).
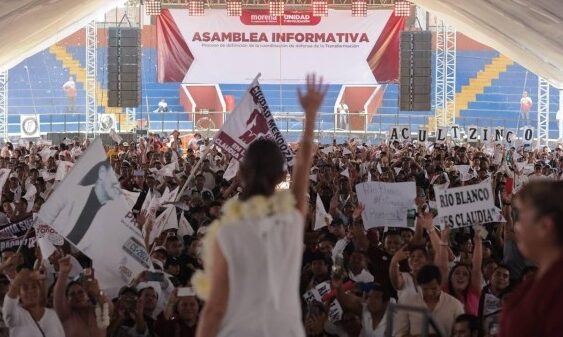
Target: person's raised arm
(311, 101)
(476, 272)
(59, 299)
(397, 280)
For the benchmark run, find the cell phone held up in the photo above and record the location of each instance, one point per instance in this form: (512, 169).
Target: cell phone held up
(154, 277)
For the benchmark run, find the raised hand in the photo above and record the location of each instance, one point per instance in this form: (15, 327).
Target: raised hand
(65, 265)
(358, 211)
(400, 255)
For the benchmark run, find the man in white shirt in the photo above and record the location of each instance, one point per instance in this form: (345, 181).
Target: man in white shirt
(70, 89)
(443, 307)
(162, 106)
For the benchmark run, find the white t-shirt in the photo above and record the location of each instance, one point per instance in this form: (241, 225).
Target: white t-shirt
(21, 323)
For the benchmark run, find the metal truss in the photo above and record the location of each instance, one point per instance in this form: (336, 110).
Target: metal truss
(543, 112)
(4, 105)
(264, 3)
(91, 102)
(444, 108)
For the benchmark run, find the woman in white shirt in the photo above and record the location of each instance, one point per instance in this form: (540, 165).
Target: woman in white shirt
(24, 311)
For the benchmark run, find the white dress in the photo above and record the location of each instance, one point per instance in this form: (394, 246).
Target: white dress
(264, 259)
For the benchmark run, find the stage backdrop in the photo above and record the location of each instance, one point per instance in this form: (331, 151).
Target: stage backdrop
(217, 48)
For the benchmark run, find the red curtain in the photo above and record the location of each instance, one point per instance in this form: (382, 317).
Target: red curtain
(174, 56)
(384, 57)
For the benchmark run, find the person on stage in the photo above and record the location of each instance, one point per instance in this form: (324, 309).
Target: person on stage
(252, 254)
(525, 107)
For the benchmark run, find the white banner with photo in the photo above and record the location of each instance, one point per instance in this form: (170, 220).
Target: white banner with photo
(90, 211)
(251, 120)
(466, 206)
(387, 204)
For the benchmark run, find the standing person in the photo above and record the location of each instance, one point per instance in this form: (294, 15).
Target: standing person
(443, 307)
(342, 115)
(73, 303)
(70, 90)
(254, 281)
(24, 309)
(534, 308)
(525, 107)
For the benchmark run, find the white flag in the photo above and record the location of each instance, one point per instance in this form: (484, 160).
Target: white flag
(115, 137)
(231, 170)
(166, 220)
(89, 210)
(63, 167)
(131, 197)
(184, 227)
(250, 120)
(4, 175)
(345, 173)
(322, 218)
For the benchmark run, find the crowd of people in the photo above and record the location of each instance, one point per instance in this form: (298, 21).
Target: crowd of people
(349, 276)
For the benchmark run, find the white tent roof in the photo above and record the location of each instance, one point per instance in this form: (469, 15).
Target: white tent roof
(528, 31)
(29, 26)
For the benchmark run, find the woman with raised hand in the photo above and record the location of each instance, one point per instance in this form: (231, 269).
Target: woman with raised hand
(24, 309)
(252, 254)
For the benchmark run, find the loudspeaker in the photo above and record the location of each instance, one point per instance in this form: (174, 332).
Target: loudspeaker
(124, 67)
(415, 92)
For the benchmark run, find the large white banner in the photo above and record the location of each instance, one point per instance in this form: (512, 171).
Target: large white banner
(251, 120)
(387, 204)
(89, 210)
(230, 49)
(466, 206)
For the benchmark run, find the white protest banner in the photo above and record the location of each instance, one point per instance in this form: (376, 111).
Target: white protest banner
(464, 172)
(498, 134)
(386, 204)
(422, 135)
(441, 134)
(455, 132)
(509, 136)
(466, 206)
(88, 209)
(335, 312)
(250, 120)
(399, 133)
(472, 133)
(322, 218)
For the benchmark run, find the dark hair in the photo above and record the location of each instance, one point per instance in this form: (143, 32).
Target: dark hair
(545, 197)
(429, 273)
(261, 168)
(91, 177)
(422, 248)
(450, 283)
(472, 322)
(70, 284)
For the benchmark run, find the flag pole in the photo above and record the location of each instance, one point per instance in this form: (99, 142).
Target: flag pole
(198, 164)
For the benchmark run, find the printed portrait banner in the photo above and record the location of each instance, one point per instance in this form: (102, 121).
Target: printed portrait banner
(466, 206)
(249, 121)
(90, 211)
(387, 204)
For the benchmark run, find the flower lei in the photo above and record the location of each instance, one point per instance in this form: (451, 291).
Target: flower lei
(235, 211)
